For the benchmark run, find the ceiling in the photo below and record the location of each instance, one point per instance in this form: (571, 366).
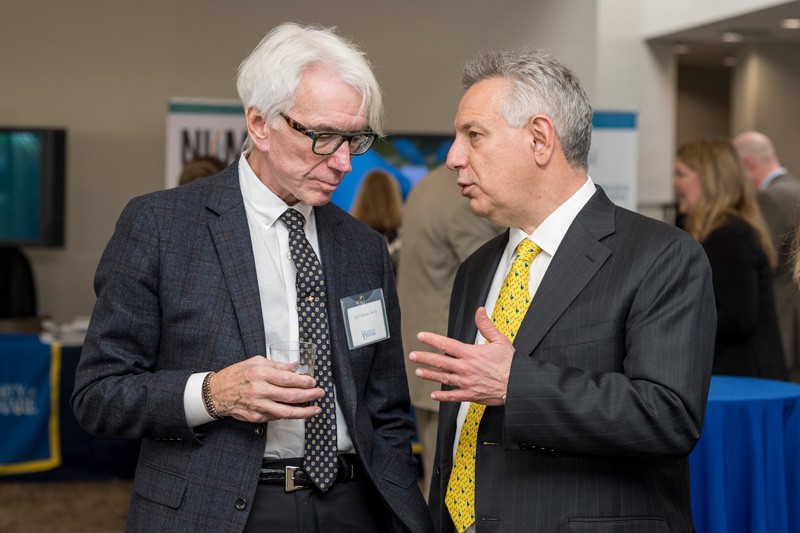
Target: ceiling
(705, 46)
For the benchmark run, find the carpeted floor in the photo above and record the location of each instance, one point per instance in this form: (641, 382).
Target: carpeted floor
(64, 506)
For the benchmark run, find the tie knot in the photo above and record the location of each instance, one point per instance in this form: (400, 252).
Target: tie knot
(527, 250)
(293, 219)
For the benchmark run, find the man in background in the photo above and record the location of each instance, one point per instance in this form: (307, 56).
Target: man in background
(439, 232)
(779, 199)
(579, 411)
(198, 280)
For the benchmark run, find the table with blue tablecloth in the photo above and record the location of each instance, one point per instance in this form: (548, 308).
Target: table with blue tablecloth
(745, 469)
(39, 435)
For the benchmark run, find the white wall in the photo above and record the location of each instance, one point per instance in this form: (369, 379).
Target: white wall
(104, 70)
(631, 73)
(766, 87)
(660, 17)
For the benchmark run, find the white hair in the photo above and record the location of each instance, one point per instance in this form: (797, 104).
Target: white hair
(269, 76)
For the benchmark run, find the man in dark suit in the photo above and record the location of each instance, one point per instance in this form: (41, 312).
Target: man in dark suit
(779, 200)
(588, 416)
(198, 280)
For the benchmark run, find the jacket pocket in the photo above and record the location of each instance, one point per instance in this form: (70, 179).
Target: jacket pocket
(400, 470)
(159, 486)
(581, 335)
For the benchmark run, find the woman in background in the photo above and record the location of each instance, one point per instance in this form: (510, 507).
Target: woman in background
(721, 211)
(379, 205)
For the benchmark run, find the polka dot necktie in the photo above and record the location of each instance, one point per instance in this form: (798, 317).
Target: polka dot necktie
(512, 304)
(320, 459)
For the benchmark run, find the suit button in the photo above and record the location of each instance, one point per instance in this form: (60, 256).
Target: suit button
(241, 504)
(524, 446)
(260, 431)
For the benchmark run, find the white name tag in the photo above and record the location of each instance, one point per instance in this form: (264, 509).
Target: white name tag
(365, 318)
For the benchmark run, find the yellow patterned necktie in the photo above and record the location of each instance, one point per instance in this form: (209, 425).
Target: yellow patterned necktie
(512, 304)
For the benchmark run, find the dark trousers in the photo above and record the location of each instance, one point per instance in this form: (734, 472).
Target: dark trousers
(350, 506)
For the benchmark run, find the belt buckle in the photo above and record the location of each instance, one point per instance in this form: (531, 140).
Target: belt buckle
(288, 483)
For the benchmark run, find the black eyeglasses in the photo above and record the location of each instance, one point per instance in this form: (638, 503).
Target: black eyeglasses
(327, 142)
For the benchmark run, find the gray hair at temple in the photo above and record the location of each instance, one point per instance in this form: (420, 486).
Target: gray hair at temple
(269, 76)
(541, 84)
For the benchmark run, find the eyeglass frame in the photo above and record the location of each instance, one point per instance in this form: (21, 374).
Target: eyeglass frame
(314, 135)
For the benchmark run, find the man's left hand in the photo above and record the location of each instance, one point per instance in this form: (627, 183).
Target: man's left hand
(479, 373)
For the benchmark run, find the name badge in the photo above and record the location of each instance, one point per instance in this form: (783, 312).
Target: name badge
(365, 318)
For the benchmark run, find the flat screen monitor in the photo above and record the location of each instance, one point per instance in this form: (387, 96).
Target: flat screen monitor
(32, 175)
(406, 156)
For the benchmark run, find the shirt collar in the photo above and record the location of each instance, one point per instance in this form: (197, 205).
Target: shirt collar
(780, 171)
(549, 234)
(261, 199)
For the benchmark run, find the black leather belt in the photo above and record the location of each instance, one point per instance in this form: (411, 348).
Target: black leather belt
(290, 473)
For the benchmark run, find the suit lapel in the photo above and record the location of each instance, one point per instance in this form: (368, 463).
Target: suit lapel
(579, 257)
(231, 235)
(476, 287)
(334, 265)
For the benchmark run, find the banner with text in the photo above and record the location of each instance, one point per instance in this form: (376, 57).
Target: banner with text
(197, 128)
(30, 372)
(613, 157)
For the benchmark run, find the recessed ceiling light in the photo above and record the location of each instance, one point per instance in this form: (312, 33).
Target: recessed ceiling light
(790, 24)
(729, 61)
(681, 48)
(732, 37)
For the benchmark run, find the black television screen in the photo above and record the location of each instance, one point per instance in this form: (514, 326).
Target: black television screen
(32, 170)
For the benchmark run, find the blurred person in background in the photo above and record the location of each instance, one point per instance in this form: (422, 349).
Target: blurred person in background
(713, 191)
(379, 205)
(778, 194)
(200, 167)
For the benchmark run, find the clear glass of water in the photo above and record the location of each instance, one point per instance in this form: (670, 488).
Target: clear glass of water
(301, 355)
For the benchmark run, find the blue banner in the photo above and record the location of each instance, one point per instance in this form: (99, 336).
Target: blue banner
(29, 378)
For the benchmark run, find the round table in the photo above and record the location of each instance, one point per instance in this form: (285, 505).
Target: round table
(745, 469)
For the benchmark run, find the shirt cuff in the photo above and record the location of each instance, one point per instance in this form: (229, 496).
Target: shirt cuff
(193, 405)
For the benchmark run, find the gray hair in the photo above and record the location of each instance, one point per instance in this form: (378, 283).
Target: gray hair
(269, 76)
(540, 84)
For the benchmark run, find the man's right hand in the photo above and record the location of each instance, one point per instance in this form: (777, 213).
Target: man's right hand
(259, 390)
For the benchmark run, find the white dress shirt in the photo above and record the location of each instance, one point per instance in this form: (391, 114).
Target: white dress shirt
(276, 274)
(548, 236)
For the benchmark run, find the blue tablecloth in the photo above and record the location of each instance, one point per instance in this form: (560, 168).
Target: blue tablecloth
(29, 379)
(745, 469)
(82, 456)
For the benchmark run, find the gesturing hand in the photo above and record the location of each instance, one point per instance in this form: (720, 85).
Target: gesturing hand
(479, 373)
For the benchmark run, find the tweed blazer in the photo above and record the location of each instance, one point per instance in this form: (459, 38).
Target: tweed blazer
(608, 385)
(177, 293)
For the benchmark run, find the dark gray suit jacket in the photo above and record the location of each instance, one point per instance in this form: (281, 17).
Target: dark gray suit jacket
(780, 205)
(608, 385)
(177, 293)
